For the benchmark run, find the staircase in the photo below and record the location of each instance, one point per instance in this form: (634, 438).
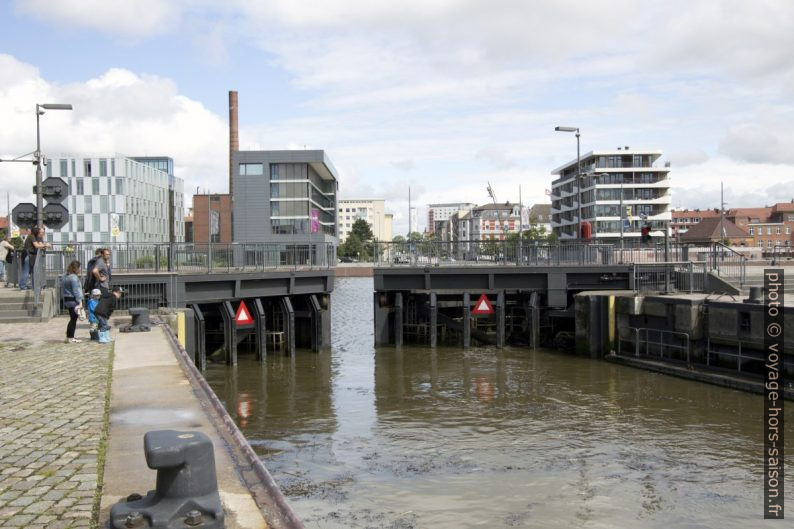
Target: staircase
(18, 307)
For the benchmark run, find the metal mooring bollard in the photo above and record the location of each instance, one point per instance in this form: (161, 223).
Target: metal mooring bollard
(140, 320)
(187, 487)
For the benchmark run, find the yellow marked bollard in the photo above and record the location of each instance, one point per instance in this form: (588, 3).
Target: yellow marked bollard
(180, 327)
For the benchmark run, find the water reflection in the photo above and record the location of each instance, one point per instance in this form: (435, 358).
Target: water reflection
(415, 437)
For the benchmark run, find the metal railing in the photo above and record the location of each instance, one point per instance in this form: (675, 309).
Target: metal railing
(196, 258)
(668, 342)
(487, 252)
(682, 276)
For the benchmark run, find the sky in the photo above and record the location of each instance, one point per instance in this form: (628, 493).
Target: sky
(443, 96)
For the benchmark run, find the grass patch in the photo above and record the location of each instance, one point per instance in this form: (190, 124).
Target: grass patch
(103, 443)
(47, 473)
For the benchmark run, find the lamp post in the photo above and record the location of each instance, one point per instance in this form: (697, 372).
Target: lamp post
(38, 158)
(578, 175)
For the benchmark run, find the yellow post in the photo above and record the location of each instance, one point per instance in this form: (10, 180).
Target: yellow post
(611, 322)
(180, 327)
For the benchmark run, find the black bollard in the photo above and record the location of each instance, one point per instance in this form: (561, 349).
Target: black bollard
(187, 487)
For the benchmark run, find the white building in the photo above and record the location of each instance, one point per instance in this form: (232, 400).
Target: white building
(115, 199)
(371, 210)
(440, 213)
(605, 177)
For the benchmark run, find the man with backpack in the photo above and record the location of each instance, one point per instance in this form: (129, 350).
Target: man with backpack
(89, 284)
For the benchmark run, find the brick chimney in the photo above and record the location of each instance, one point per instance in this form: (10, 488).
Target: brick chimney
(234, 138)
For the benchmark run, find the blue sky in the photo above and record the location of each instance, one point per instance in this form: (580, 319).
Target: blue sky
(442, 95)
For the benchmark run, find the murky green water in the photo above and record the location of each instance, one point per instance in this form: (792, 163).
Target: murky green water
(365, 437)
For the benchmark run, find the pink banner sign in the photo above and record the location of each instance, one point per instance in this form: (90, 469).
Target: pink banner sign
(315, 220)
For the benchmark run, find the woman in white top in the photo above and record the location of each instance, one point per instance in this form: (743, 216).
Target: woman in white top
(5, 247)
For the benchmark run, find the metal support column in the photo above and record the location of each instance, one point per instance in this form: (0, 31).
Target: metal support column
(200, 358)
(289, 324)
(229, 333)
(433, 319)
(500, 319)
(260, 329)
(466, 319)
(316, 323)
(398, 319)
(534, 320)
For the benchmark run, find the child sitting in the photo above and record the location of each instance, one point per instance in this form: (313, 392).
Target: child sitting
(92, 303)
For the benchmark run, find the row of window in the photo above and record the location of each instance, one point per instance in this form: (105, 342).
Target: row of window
(751, 230)
(769, 243)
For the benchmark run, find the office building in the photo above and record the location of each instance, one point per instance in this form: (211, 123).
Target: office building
(437, 214)
(176, 197)
(212, 218)
(283, 196)
(116, 199)
(607, 180)
(372, 210)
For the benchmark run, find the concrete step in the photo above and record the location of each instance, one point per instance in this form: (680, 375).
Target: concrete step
(13, 313)
(27, 319)
(17, 305)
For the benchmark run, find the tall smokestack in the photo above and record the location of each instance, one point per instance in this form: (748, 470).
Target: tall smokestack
(234, 138)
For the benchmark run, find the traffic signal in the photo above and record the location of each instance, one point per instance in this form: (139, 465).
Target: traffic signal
(646, 234)
(54, 215)
(24, 215)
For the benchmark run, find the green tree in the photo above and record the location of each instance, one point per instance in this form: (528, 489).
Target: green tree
(362, 230)
(415, 236)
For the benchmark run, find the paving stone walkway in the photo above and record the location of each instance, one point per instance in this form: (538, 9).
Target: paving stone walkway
(52, 409)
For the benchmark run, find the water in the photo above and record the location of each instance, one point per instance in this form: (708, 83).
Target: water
(360, 436)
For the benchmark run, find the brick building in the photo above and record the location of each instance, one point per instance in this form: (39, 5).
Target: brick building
(215, 211)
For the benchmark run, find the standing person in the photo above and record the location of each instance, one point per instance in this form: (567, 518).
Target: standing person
(33, 243)
(72, 294)
(102, 272)
(5, 249)
(103, 311)
(90, 280)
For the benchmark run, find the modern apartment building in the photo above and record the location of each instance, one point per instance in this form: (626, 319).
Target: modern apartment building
(371, 210)
(284, 196)
(176, 206)
(439, 213)
(607, 180)
(116, 199)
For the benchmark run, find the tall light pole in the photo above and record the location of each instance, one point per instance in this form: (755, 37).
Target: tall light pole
(38, 157)
(578, 175)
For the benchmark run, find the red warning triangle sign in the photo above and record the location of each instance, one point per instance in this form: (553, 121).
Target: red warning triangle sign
(483, 306)
(243, 316)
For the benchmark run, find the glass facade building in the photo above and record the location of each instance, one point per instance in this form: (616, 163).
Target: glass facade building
(116, 199)
(284, 196)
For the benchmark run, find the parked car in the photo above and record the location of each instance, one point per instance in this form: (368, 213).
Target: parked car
(347, 259)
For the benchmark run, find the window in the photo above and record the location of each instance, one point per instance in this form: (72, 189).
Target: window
(103, 204)
(103, 167)
(251, 169)
(49, 168)
(769, 230)
(761, 243)
(88, 202)
(119, 186)
(86, 167)
(769, 243)
(788, 230)
(74, 167)
(777, 230)
(80, 190)
(95, 186)
(80, 222)
(64, 168)
(112, 167)
(752, 230)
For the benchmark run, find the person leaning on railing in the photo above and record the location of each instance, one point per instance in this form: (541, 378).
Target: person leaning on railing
(33, 243)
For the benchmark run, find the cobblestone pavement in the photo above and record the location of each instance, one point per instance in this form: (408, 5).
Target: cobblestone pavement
(52, 409)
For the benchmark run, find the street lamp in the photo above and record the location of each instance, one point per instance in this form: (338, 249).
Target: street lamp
(578, 174)
(38, 158)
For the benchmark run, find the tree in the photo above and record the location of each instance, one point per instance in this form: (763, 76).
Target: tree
(362, 230)
(415, 236)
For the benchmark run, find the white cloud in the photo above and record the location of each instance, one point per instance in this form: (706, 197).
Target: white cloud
(127, 18)
(119, 111)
